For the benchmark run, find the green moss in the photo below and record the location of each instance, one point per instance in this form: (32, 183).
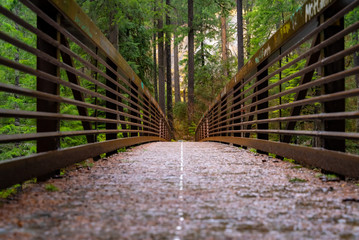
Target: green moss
(122, 149)
(294, 180)
(253, 150)
(272, 155)
(51, 188)
(289, 160)
(10, 191)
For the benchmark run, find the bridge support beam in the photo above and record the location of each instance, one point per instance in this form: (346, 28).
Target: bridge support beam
(337, 86)
(264, 105)
(134, 89)
(237, 115)
(47, 125)
(110, 105)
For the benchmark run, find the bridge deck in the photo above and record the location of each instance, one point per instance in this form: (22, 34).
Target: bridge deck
(185, 190)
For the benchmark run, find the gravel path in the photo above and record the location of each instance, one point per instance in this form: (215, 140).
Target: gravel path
(185, 190)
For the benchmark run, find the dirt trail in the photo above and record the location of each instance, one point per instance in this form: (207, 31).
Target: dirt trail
(185, 190)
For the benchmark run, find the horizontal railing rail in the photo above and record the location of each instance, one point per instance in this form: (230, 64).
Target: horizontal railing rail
(298, 96)
(66, 94)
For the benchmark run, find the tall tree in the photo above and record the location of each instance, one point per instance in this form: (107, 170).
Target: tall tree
(113, 32)
(161, 64)
(155, 85)
(176, 69)
(190, 62)
(240, 34)
(168, 67)
(224, 43)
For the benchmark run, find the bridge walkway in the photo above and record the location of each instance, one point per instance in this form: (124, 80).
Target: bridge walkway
(185, 190)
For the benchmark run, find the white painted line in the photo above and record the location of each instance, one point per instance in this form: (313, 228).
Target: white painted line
(180, 211)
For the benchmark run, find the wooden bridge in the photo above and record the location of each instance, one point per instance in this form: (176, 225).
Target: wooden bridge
(181, 190)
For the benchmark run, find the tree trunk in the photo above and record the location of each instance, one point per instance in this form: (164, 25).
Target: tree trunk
(240, 34)
(224, 44)
(176, 72)
(184, 95)
(155, 55)
(202, 53)
(248, 35)
(161, 66)
(190, 62)
(168, 71)
(113, 31)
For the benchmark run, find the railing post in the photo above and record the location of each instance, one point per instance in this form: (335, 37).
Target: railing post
(204, 128)
(160, 128)
(337, 86)
(110, 105)
(47, 125)
(222, 114)
(133, 113)
(146, 116)
(237, 115)
(207, 128)
(264, 105)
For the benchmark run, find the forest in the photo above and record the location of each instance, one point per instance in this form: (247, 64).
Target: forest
(184, 51)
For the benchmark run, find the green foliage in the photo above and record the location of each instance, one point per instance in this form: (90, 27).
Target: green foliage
(265, 17)
(122, 149)
(289, 160)
(180, 111)
(295, 180)
(272, 155)
(253, 150)
(133, 20)
(85, 164)
(62, 172)
(51, 188)
(192, 129)
(10, 191)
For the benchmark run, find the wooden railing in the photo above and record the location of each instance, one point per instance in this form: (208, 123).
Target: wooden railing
(297, 97)
(66, 73)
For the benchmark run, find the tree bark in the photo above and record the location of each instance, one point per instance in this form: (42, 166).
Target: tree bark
(168, 71)
(184, 95)
(190, 62)
(161, 66)
(176, 71)
(202, 54)
(113, 31)
(240, 34)
(248, 35)
(155, 55)
(224, 44)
